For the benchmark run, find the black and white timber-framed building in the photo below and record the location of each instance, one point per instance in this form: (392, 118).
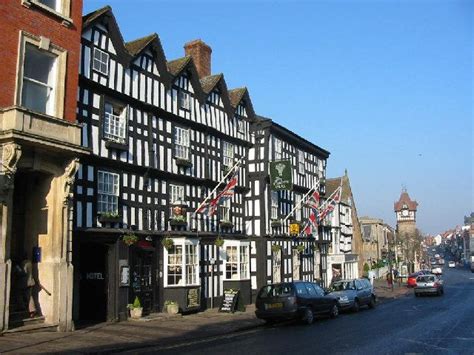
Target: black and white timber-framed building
(162, 135)
(285, 262)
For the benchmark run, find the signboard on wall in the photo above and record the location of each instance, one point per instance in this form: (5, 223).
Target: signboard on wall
(193, 299)
(280, 175)
(294, 229)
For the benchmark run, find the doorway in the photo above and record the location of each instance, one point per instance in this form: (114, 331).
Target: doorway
(142, 278)
(93, 285)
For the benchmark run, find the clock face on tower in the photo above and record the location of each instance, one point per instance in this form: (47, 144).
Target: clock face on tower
(405, 213)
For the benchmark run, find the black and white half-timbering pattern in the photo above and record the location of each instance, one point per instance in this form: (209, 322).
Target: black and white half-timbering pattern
(287, 258)
(158, 142)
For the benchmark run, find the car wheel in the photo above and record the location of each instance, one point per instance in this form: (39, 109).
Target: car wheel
(416, 294)
(270, 321)
(438, 293)
(334, 311)
(356, 306)
(308, 316)
(372, 302)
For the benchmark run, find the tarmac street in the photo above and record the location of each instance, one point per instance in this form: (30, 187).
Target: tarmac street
(399, 324)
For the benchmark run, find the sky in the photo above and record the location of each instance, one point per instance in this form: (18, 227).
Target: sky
(385, 86)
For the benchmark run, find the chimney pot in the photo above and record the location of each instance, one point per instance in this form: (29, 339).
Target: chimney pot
(201, 54)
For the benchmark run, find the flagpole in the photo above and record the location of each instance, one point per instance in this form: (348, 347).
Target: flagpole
(316, 184)
(236, 165)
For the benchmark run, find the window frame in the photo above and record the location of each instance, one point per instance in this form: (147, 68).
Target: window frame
(43, 44)
(228, 154)
(94, 60)
(301, 162)
(242, 263)
(122, 121)
(184, 100)
(186, 139)
(116, 195)
(62, 11)
(225, 206)
(274, 205)
(183, 242)
(277, 143)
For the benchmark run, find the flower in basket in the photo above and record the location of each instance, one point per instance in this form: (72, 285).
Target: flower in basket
(136, 304)
(167, 243)
(300, 248)
(179, 218)
(109, 214)
(219, 241)
(130, 239)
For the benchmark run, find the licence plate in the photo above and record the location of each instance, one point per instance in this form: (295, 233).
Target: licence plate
(273, 305)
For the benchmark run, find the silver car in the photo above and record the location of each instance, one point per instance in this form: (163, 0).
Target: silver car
(429, 285)
(352, 294)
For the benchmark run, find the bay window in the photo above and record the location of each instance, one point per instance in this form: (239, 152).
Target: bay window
(274, 205)
(100, 61)
(301, 168)
(228, 154)
(182, 263)
(277, 148)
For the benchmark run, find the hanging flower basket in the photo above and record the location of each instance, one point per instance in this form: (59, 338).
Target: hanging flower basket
(130, 239)
(167, 243)
(219, 241)
(300, 248)
(276, 248)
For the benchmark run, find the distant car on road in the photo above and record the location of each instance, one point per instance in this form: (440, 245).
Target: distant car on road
(437, 271)
(352, 294)
(451, 264)
(411, 281)
(428, 284)
(294, 300)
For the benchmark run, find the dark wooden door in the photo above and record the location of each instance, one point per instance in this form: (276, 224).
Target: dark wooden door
(142, 278)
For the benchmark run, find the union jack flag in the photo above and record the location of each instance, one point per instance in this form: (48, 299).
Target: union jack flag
(210, 208)
(330, 204)
(313, 220)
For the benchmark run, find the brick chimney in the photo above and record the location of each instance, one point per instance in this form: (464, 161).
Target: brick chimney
(201, 54)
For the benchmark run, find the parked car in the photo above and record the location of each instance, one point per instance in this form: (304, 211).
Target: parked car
(352, 294)
(451, 264)
(294, 300)
(437, 271)
(429, 284)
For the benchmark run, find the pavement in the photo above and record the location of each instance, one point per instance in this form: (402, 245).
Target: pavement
(157, 330)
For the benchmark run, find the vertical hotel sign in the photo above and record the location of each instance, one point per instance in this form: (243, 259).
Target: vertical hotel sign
(280, 175)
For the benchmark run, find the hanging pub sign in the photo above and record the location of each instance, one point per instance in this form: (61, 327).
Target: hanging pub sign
(294, 229)
(280, 175)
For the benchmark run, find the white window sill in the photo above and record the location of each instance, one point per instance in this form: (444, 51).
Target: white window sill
(180, 286)
(66, 21)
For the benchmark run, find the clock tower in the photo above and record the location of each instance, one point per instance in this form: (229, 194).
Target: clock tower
(405, 209)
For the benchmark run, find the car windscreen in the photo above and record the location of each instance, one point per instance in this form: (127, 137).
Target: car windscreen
(342, 285)
(425, 279)
(279, 290)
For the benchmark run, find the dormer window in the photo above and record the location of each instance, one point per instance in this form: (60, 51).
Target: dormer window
(100, 62)
(240, 126)
(184, 100)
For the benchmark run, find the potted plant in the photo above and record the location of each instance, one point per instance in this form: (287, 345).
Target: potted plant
(225, 224)
(108, 217)
(136, 309)
(130, 239)
(167, 243)
(178, 220)
(171, 307)
(275, 223)
(186, 163)
(219, 241)
(276, 248)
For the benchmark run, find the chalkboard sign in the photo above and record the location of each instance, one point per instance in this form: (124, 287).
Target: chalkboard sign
(193, 298)
(229, 301)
